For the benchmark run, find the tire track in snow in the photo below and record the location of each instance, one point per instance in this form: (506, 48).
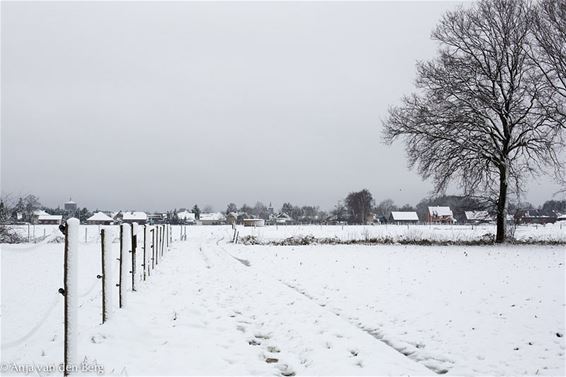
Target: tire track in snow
(379, 336)
(431, 363)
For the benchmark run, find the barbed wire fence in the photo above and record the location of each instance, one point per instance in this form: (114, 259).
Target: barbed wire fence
(154, 249)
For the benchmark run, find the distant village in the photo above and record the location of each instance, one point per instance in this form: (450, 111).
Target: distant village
(29, 211)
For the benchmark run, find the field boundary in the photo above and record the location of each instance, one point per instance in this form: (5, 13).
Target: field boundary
(486, 239)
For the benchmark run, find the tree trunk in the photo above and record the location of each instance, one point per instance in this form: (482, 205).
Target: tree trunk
(502, 205)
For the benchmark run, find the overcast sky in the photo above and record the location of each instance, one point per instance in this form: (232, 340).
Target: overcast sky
(151, 106)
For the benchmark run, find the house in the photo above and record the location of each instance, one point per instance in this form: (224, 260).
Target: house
(528, 218)
(232, 218)
(335, 220)
(157, 218)
(281, 219)
(187, 217)
(134, 217)
(49, 219)
(372, 218)
(560, 217)
(212, 218)
(403, 217)
(440, 215)
(477, 217)
(35, 215)
(100, 218)
(254, 222)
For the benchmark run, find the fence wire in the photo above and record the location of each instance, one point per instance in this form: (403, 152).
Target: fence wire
(56, 233)
(37, 326)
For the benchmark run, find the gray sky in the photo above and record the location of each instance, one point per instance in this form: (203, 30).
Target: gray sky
(142, 105)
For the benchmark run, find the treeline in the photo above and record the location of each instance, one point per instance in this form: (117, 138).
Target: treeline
(356, 208)
(361, 208)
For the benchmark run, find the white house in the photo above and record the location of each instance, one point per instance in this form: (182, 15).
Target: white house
(134, 217)
(404, 217)
(100, 218)
(441, 215)
(477, 217)
(216, 218)
(49, 219)
(254, 222)
(187, 216)
(281, 219)
(35, 215)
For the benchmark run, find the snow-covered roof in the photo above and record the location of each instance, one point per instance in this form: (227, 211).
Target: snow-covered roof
(477, 215)
(50, 217)
(99, 216)
(39, 212)
(440, 211)
(134, 216)
(404, 215)
(217, 216)
(186, 215)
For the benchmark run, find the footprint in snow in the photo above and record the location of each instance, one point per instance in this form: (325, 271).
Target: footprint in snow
(286, 370)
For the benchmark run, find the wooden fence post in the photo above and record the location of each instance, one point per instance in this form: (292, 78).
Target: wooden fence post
(134, 251)
(152, 248)
(70, 292)
(145, 253)
(162, 240)
(106, 243)
(125, 248)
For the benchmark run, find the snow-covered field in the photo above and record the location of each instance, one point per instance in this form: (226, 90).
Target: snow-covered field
(215, 308)
(550, 232)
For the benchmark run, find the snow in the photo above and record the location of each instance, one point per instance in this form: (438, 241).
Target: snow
(477, 215)
(133, 216)
(99, 216)
(125, 263)
(217, 216)
(404, 216)
(71, 290)
(186, 215)
(466, 233)
(49, 217)
(440, 211)
(216, 308)
(135, 252)
(107, 276)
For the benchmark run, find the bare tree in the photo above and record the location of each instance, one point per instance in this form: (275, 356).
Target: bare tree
(549, 51)
(385, 207)
(476, 118)
(359, 205)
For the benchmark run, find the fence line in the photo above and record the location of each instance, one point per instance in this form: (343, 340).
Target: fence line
(128, 246)
(35, 246)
